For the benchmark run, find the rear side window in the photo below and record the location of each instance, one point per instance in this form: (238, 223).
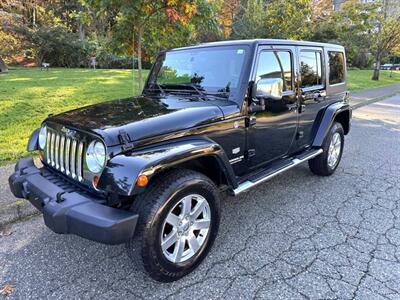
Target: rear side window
(276, 64)
(336, 67)
(310, 68)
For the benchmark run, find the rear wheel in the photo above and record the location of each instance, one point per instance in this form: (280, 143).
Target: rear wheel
(178, 222)
(326, 163)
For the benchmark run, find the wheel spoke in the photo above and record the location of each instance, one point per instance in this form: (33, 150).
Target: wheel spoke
(201, 224)
(335, 139)
(169, 240)
(196, 211)
(172, 219)
(178, 251)
(187, 205)
(193, 243)
(180, 242)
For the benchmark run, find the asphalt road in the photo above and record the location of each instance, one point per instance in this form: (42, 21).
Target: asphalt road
(296, 236)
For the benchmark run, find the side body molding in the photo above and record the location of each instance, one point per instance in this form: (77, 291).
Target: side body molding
(331, 112)
(122, 170)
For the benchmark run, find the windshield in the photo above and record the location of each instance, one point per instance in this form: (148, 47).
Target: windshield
(216, 70)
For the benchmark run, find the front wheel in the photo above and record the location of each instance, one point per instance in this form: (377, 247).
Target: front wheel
(178, 222)
(326, 163)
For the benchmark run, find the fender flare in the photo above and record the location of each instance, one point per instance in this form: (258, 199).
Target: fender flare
(121, 171)
(33, 141)
(330, 113)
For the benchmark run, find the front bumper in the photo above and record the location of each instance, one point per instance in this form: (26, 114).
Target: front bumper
(66, 209)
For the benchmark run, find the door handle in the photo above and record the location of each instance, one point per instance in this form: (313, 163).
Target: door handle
(320, 96)
(291, 107)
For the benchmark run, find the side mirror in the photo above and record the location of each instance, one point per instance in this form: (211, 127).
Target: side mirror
(269, 88)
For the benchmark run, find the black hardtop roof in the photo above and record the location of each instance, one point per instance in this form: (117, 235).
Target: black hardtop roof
(263, 42)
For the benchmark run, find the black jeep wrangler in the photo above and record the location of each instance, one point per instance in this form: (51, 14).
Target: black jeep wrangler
(148, 171)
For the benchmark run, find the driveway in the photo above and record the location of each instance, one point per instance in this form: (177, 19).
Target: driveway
(296, 236)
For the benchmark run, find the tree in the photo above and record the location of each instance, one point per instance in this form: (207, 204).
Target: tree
(134, 17)
(386, 41)
(286, 19)
(351, 27)
(227, 13)
(321, 9)
(56, 45)
(249, 20)
(19, 19)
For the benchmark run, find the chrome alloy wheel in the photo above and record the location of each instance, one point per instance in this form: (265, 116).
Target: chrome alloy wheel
(186, 228)
(334, 150)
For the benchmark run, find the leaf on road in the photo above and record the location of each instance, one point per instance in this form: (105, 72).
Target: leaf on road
(5, 232)
(7, 290)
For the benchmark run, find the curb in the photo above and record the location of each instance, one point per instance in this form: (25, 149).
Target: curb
(21, 209)
(372, 100)
(16, 211)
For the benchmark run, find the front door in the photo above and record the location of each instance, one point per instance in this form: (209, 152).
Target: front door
(272, 130)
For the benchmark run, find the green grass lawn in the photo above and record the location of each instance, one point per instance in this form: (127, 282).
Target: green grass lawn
(361, 79)
(27, 96)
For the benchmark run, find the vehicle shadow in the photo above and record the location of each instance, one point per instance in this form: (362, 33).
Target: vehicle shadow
(43, 264)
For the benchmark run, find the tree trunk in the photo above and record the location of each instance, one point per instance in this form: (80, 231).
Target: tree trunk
(82, 34)
(377, 68)
(34, 15)
(139, 57)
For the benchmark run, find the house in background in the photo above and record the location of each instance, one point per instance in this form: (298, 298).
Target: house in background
(392, 7)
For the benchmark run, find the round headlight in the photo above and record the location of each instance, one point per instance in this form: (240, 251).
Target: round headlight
(96, 157)
(42, 137)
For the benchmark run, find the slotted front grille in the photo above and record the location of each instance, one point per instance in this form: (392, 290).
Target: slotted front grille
(65, 153)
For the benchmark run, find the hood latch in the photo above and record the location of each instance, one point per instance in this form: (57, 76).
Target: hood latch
(125, 140)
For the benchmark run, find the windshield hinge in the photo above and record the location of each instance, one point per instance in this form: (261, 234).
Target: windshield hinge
(125, 140)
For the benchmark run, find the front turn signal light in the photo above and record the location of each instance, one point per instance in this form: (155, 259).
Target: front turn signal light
(142, 180)
(95, 181)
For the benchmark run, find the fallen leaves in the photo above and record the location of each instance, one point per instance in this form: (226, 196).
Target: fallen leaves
(5, 232)
(7, 290)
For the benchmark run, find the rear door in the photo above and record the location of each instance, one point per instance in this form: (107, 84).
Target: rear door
(312, 92)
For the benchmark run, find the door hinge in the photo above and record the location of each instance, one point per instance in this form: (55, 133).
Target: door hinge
(251, 121)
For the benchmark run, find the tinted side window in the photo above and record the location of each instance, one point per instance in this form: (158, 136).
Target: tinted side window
(336, 67)
(275, 64)
(310, 68)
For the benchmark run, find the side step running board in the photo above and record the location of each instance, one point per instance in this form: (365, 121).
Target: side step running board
(244, 186)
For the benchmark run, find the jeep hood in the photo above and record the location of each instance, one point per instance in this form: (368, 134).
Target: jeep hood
(145, 117)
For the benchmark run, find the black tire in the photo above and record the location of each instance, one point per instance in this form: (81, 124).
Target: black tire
(153, 206)
(319, 165)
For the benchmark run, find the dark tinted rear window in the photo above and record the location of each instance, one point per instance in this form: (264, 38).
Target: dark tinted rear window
(336, 67)
(310, 68)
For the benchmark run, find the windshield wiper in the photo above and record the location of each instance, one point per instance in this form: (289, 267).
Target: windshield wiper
(223, 93)
(158, 88)
(165, 88)
(190, 85)
(218, 94)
